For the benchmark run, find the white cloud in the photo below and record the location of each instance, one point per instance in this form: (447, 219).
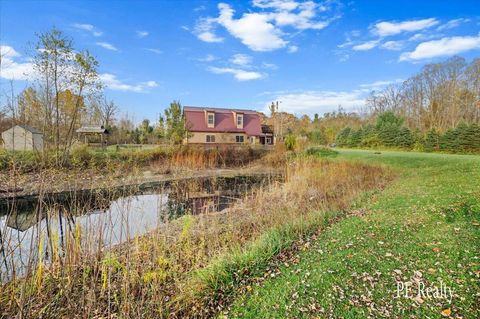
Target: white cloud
(253, 29)
(447, 46)
(111, 82)
(393, 45)
(13, 68)
(270, 66)
(87, 27)
(262, 31)
(156, 51)
(107, 46)
(292, 49)
(142, 34)
(378, 84)
(311, 102)
(8, 52)
(276, 4)
(385, 28)
(366, 46)
(452, 24)
(208, 58)
(240, 75)
(151, 84)
(241, 60)
(209, 37)
(205, 30)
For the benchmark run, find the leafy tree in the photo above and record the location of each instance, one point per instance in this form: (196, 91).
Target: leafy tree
(54, 52)
(175, 126)
(144, 131)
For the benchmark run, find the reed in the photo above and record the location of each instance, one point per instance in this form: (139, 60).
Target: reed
(190, 266)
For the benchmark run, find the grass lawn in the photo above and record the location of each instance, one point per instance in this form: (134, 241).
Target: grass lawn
(423, 231)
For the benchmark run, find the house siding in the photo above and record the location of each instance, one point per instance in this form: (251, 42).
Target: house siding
(19, 139)
(220, 138)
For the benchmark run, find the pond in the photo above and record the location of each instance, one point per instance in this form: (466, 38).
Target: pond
(36, 228)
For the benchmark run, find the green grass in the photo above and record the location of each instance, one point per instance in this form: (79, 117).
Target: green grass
(427, 221)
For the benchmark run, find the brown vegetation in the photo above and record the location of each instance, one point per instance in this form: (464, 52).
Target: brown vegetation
(188, 267)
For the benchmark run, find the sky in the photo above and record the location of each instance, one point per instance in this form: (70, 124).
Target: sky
(311, 56)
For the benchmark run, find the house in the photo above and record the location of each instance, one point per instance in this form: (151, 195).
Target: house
(22, 138)
(208, 125)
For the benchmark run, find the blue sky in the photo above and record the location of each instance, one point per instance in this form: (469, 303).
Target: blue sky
(311, 55)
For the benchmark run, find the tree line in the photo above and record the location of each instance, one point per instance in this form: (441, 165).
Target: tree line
(437, 109)
(439, 97)
(390, 131)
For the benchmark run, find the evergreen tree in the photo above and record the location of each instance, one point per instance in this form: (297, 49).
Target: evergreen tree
(449, 141)
(388, 126)
(343, 136)
(463, 141)
(404, 138)
(432, 141)
(355, 138)
(388, 133)
(475, 137)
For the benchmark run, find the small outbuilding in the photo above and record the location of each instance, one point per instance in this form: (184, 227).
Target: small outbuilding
(22, 138)
(93, 133)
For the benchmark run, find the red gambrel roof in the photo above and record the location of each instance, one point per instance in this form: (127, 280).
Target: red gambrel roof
(224, 120)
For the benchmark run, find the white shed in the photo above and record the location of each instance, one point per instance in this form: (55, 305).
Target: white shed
(22, 138)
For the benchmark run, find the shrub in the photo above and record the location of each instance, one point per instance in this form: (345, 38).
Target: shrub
(290, 142)
(80, 156)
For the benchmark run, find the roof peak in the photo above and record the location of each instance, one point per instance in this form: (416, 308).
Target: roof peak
(201, 108)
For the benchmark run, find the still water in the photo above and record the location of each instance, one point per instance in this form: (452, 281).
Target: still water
(100, 219)
(125, 218)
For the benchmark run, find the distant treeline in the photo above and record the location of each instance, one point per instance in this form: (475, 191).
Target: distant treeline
(437, 109)
(389, 131)
(440, 96)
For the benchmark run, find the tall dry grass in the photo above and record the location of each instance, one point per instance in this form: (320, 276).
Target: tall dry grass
(190, 267)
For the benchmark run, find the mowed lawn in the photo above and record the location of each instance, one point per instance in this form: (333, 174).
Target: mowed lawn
(423, 229)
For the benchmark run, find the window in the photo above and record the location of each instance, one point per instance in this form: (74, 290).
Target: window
(269, 140)
(239, 138)
(211, 119)
(239, 120)
(210, 138)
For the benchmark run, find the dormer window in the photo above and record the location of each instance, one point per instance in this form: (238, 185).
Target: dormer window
(211, 119)
(239, 120)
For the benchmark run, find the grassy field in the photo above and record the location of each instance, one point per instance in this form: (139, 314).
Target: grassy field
(423, 231)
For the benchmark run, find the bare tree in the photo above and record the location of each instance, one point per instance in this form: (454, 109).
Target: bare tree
(440, 96)
(108, 110)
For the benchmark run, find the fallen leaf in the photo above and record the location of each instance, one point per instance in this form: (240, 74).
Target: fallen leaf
(446, 312)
